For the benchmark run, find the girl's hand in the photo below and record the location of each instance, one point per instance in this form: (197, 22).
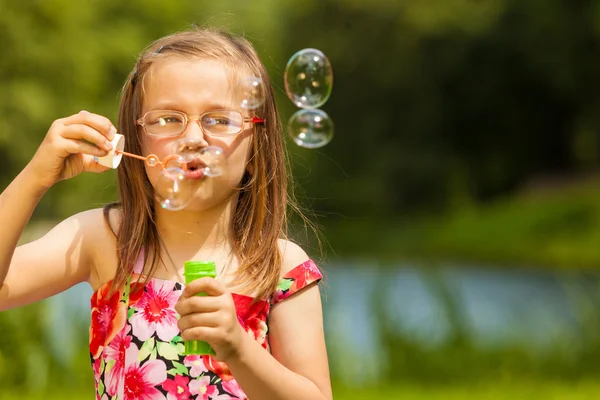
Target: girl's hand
(210, 318)
(70, 146)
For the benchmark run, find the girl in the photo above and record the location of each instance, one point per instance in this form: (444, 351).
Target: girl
(262, 316)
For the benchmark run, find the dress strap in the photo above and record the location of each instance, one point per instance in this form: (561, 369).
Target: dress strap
(295, 280)
(139, 264)
(137, 269)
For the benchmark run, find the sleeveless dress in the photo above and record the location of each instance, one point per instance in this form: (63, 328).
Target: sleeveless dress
(137, 352)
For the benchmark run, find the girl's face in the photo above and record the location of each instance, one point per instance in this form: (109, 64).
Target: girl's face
(194, 87)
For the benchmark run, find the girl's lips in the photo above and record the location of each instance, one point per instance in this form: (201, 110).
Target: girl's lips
(195, 170)
(195, 173)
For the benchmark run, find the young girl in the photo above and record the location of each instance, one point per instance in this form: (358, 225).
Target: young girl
(262, 315)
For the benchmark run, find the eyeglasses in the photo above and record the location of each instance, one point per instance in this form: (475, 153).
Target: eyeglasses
(168, 123)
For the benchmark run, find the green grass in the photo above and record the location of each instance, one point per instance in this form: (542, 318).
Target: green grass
(493, 391)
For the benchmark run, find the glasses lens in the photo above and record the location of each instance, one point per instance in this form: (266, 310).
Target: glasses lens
(222, 122)
(164, 123)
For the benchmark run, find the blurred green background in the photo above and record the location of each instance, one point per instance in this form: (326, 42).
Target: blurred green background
(459, 197)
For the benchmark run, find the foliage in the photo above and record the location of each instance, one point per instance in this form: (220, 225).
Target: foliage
(558, 229)
(434, 106)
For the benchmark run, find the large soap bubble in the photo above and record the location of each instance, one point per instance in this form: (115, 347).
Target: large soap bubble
(308, 78)
(311, 128)
(251, 92)
(172, 190)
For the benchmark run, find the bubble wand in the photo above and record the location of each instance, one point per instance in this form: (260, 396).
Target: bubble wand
(175, 186)
(114, 156)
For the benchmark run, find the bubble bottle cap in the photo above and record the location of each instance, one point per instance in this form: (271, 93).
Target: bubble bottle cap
(197, 269)
(114, 156)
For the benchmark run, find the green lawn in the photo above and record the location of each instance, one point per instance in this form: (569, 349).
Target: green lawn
(508, 391)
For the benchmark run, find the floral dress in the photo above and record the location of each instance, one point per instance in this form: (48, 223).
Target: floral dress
(137, 351)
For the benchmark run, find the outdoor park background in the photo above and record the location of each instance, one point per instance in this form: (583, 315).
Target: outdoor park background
(459, 198)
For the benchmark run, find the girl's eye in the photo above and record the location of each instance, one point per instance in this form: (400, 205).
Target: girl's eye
(167, 119)
(217, 121)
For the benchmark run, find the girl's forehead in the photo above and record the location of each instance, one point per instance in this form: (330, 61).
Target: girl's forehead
(188, 82)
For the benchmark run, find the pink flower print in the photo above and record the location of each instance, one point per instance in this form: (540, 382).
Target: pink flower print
(155, 312)
(234, 388)
(141, 380)
(196, 365)
(116, 351)
(177, 389)
(202, 388)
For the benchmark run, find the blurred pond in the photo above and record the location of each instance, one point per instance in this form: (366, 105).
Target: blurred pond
(493, 307)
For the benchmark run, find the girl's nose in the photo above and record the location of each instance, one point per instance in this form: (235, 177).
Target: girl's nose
(194, 131)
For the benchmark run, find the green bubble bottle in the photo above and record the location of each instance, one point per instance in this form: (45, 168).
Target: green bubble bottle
(193, 270)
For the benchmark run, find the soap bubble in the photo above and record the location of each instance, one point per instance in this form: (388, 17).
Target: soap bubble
(311, 128)
(172, 190)
(308, 78)
(214, 160)
(210, 160)
(251, 93)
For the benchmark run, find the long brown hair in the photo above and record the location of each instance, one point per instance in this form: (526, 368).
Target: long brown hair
(260, 216)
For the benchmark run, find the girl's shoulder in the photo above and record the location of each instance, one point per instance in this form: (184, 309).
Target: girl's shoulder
(292, 255)
(298, 271)
(100, 242)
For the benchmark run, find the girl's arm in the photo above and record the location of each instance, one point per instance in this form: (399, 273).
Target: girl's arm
(52, 264)
(55, 262)
(296, 368)
(17, 203)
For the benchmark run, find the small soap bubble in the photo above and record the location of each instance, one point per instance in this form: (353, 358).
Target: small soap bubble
(172, 190)
(311, 128)
(214, 160)
(152, 161)
(251, 93)
(210, 159)
(308, 78)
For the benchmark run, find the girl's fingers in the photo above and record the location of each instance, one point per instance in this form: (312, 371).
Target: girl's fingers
(80, 131)
(210, 286)
(91, 165)
(98, 122)
(197, 304)
(204, 333)
(78, 146)
(199, 319)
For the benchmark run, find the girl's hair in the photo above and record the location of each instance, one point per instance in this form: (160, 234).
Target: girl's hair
(259, 218)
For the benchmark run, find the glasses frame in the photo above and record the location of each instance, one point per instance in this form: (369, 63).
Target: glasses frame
(195, 118)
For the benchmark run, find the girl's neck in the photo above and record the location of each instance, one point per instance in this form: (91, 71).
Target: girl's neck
(197, 235)
(192, 232)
